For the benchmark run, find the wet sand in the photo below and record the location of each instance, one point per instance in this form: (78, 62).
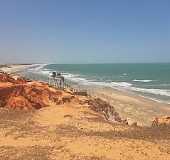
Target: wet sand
(132, 106)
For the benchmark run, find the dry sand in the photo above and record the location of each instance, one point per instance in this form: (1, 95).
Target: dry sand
(73, 131)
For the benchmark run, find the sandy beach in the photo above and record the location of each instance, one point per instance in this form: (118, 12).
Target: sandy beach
(132, 106)
(13, 68)
(76, 130)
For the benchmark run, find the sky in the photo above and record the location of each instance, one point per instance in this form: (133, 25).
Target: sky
(84, 31)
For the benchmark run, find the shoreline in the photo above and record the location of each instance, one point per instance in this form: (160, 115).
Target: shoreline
(132, 106)
(13, 68)
(129, 105)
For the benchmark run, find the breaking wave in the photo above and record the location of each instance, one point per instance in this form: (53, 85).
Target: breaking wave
(161, 92)
(144, 80)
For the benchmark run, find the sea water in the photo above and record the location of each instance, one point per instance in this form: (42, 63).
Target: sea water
(151, 80)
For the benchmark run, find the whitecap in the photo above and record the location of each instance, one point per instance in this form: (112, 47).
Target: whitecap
(142, 80)
(121, 84)
(124, 74)
(161, 92)
(37, 67)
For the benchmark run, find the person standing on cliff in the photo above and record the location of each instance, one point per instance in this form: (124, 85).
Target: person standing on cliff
(51, 78)
(61, 80)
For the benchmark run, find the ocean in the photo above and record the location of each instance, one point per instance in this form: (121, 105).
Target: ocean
(151, 80)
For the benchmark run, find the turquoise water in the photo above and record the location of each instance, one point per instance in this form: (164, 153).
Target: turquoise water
(151, 80)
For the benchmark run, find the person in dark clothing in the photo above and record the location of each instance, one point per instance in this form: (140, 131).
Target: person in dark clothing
(53, 74)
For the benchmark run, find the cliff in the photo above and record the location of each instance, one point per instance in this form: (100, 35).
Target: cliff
(25, 94)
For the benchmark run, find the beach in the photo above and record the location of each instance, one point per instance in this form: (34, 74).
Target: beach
(131, 105)
(14, 68)
(75, 127)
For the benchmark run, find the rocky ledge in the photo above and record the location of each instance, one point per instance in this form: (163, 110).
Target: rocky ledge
(18, 92)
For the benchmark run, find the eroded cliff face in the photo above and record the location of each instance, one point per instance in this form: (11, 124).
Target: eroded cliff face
(21, 93)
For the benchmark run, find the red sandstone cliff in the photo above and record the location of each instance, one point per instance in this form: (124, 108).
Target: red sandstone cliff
(23, 94)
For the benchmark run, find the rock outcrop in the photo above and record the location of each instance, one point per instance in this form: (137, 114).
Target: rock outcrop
(4, 77)
(23, 94)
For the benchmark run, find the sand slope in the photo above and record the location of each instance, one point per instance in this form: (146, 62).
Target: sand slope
(134, 107)
(73, 131)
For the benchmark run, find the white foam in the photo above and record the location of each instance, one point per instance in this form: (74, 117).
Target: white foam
(129, 86)
(161, 92)
(45, 72)
(68, 75)
(124, 74)
(83, 81)
(75, 78)
(37, 67)
(144, 80)
(121, 84)
(105, 84)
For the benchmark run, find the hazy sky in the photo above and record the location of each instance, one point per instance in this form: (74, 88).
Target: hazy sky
(84, 31)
